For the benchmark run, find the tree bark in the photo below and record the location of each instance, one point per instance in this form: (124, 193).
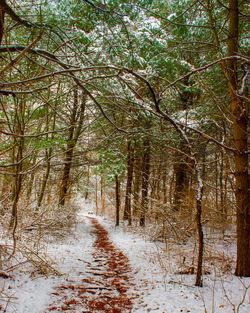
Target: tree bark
(66, 173)
(239, 109)
(31, 181)
(198, 281)
(137, 183)
(103, 193)
(17, 185)
(1, 24)
(222, 208)
(181, 181)
(19, 142)
(96, 192)
(48, 156)
(73, 136)
(145, 180)
(130, 169)
(117, 197)
(45, 178)
(239, 112)
(88, 180)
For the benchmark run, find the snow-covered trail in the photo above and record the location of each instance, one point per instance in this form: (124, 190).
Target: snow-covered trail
(104, 287)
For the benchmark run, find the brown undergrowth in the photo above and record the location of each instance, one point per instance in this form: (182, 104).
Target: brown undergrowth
(106, 288)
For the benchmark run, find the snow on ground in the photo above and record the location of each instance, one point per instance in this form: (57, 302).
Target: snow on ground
(70, 256)
(159, 289)
(166, 292)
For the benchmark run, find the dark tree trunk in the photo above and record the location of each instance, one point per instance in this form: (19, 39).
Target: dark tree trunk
(66, 174)
(130, 169)
(117, 198)
(31, 181)
(73, 136)
(239, 109)
(87, 189)
(153, 185)
(17, 184)
(1, 24)
(96, 192)
(216, 182)
(5, 195)
(19, 142)
(45, 178)
(159, 179)
(48, 167)
(145, 180)
(222, 208)
(198, 281)
(137, 183)
(164, 186)
(181, 161)
(181, 181)
(103, 193)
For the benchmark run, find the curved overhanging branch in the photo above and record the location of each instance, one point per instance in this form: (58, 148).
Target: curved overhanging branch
(61, 72)
(8, 10)
(208, 137)
(16, 92)
(15, 135)
(71, 71)
(40, 52)
(105, 67)
(96, 7)
(21, 55)
(203, 68)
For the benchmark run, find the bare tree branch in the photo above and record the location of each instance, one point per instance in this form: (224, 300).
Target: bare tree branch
(21, 55)
(8, 10)
(15, 92)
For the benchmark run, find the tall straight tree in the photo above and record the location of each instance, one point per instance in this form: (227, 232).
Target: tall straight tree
(130, 171)
(145, 180)
(239, 103)
(76, 123)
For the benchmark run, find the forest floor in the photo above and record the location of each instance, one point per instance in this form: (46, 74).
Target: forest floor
(108, 269)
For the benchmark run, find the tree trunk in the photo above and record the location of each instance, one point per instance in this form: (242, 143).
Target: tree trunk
(88, 179)
(181, 181)
(216, 181)
(1, 24)
(221, 188)
(130, 169)
(164, 186)
(96, 192)
(45, 179)
(198, 281)
(145, 180)
(117, 198)
(103, 193)
(17, 185)
(66, 174)
(239, 110)
(31, 181)
(159, 179)
(73, 136)
(19, 142)
(137, 183)
(48, 156)
(5, 195)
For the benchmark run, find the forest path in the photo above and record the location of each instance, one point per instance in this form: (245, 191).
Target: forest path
(105, 285)
(97, 277)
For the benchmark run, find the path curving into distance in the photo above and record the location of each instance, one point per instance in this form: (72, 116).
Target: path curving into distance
(105, 287)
